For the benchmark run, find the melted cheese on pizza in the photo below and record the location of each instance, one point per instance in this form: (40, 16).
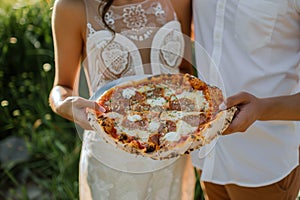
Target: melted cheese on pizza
(183, 128)
(127, 93)
(134, 118)
(176, 115)
(159, 101)
(197, 97)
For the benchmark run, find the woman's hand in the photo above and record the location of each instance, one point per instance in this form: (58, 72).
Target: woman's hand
(249, 110)
(73, 108)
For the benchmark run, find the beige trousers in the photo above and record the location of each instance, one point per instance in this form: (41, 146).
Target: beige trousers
(285, 189)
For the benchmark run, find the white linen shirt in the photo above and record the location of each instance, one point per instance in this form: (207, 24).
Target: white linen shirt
(256, 46)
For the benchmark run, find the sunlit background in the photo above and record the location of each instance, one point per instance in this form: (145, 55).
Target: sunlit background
(39, 151)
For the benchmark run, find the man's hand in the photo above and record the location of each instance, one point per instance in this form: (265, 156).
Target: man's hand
(249, 110)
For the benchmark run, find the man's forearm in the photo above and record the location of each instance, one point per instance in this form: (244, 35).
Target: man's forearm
(281, 108)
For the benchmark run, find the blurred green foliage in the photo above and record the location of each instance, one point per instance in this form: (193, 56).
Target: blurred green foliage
(26, 77)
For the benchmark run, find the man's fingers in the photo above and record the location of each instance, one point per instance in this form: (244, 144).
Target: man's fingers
(240, 98)
(239, 123)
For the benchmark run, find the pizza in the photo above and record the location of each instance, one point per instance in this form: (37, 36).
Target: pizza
(161, 116)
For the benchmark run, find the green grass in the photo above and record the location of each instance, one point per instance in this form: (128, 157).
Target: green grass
(46, 166)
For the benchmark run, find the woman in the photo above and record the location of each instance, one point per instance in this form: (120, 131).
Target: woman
(117, 39)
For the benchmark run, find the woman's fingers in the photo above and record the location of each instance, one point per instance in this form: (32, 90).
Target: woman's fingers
(80, 106)
(80, 102)
(100, 108)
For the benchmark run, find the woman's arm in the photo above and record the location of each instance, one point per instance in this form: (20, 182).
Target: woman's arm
(252, 108)
(68, 26)
(67, 19)
(183, 9)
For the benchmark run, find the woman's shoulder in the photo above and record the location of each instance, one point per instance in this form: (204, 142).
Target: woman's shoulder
(70, 6)
(70, 11)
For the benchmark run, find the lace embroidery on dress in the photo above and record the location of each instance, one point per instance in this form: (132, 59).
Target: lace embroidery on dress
(109, 19)
(91, 30)
(172, 48)
(159, 12)
(110, 59)
(115, 58)
(167, 48)
(135, 18)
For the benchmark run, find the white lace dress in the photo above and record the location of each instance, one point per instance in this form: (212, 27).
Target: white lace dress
(148, 40)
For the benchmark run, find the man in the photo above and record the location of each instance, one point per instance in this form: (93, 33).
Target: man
(256, 48)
